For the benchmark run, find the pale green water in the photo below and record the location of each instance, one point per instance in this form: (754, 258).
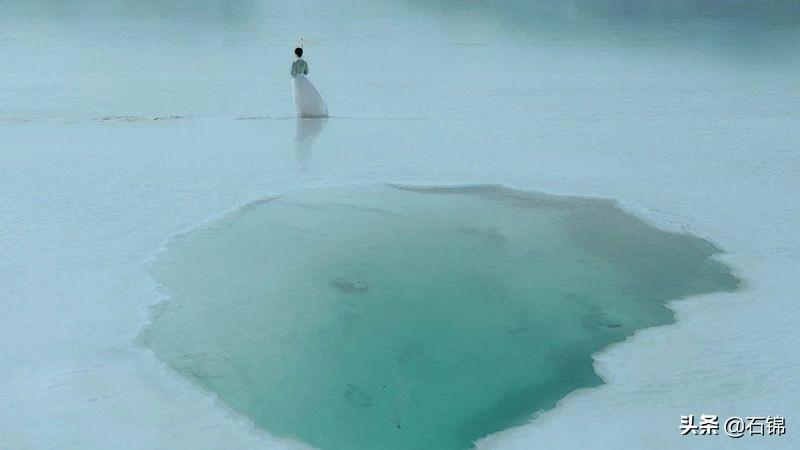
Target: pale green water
(374, 317)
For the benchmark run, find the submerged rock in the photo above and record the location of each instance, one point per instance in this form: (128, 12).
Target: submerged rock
(357, 397)
(350, 286)
(492, 234)
(609, 321)
(602, 319)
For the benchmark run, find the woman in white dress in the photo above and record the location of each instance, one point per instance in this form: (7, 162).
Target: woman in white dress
(307, 100)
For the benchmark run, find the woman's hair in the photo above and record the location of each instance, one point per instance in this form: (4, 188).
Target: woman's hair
(298, 51)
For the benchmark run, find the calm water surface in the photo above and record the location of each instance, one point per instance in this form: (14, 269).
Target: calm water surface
(396, 318)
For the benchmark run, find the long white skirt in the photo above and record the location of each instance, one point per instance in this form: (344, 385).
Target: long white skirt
(307, 100)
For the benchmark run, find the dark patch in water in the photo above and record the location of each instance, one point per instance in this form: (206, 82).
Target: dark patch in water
(357, 397)
(601, 319)
(350, 286)
(491, 234)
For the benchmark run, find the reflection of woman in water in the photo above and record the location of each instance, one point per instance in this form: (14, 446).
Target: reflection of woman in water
(307, 100)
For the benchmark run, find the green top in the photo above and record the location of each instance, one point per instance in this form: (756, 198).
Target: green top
(299, 67)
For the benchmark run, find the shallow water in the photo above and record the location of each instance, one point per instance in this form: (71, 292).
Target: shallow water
(406, 318)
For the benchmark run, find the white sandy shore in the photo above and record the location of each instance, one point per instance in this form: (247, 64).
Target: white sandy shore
(85, 204)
